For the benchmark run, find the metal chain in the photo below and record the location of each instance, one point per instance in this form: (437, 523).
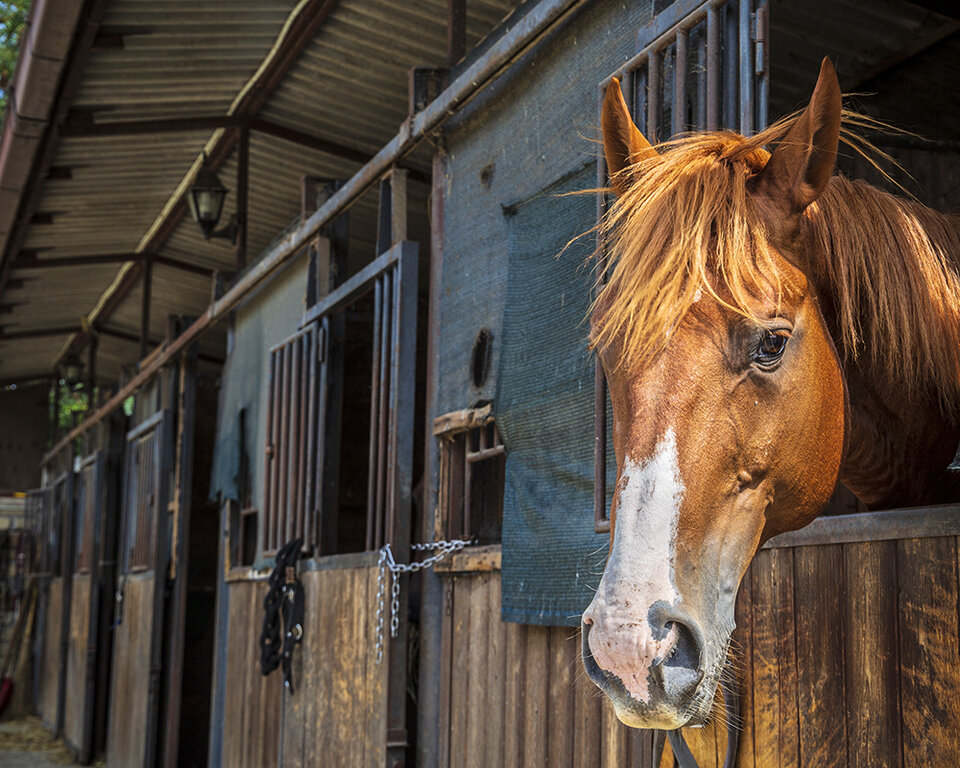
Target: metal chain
(387, 562)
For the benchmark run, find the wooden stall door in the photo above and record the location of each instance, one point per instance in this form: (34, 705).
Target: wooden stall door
(84, 601)
(55, 601)
(143, 552)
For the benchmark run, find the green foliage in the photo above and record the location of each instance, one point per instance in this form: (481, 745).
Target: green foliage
(73, 406)
(13, 20)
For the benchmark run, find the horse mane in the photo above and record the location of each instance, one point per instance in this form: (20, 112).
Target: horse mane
(686, 224)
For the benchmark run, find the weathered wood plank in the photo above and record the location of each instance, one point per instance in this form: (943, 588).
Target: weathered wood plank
(376, 680)
(741, 669)
(446, 672)
(535, 709)
(514, 694)
(871, 655)
(128, 706)
(476, 661)
(50, 664)
(587, 719)
(463, 589)
(78, 667)
(613, 738)
(562, 663)
(496, 674)
(776, 738)
(929, 656)
(818, 588)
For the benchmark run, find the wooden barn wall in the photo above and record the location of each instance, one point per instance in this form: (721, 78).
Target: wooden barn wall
(75, 701)
(49, 662)
(848, 655)
(337, 713)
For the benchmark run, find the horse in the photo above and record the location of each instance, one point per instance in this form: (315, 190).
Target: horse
(767, 328)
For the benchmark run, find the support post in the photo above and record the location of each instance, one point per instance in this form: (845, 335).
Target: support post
(456, 31)
(243, 182)
(145, 309)
(92, 373)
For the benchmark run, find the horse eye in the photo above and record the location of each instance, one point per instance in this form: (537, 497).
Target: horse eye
(769, 348)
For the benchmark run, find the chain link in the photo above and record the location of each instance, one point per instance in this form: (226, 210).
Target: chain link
(387, 562)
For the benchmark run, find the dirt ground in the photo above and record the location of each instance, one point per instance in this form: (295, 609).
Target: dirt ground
(25, 743)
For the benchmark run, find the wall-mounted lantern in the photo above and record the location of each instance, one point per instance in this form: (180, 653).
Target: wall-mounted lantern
(205, 198)
(72, 368)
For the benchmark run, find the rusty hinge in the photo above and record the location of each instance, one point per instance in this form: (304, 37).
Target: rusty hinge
(759, 34)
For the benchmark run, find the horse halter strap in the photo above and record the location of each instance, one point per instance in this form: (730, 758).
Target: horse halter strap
(283, 614)
(681, 751)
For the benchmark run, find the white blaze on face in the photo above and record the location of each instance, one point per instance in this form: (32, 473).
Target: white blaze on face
(640, 570)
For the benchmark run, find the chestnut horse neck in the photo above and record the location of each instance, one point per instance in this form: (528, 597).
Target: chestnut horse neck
(686, 223)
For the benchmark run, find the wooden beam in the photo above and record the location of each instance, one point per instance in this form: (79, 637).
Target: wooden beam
(37, 333)
(45, 217)
(326, 146)
(6, 309)
(311, 142)
(59, 173)
(30, 260)
(83, 124)
(299, 32)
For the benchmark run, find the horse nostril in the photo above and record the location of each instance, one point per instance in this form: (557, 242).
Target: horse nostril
(681, 669)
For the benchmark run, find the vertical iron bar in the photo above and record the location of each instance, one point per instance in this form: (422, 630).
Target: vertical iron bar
(383, 414)
(680, 83)
(268, 482)
(763, 64)
(653, 96)
(638, 106)
(374, 414)
(284, 505)
(467, 486)
(713, 68)
(313, 470)
(746, 68)
(296, 432)
(701, 120)
(730, 95)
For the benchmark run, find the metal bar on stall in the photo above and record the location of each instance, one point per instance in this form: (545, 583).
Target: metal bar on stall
(730, 43)
(713, 68)
(746, 68)
(762, 68)
(679, 110)
(314, 471)
(382, 410)
(374, 413)
(701, 118)
(653, 96)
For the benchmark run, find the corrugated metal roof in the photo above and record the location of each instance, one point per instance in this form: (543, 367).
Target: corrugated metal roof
(192, 58)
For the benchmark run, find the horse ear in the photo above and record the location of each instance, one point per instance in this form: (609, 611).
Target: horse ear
(623, 144)
(802, 163)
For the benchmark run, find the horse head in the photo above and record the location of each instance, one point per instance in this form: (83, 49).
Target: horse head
(727, 394)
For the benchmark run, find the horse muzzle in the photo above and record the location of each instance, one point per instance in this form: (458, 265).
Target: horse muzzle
(653, 671)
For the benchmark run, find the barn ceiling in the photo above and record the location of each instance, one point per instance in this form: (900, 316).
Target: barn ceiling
(109, 189)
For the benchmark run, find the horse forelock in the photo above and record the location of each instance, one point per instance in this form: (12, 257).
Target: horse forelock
(686, 224)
